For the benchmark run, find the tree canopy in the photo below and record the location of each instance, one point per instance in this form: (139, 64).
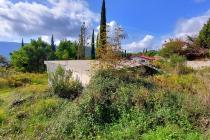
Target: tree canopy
(66, 50)
(31, 57)
(204, 36)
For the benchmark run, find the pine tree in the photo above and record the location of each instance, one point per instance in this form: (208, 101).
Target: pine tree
(103, 32)
(22, 44)
(93, 53)
(53, 47)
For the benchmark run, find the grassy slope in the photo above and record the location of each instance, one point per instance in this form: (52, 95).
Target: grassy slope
(30, 112)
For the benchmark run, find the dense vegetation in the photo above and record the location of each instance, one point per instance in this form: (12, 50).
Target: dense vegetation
(31, 57)
(117, 104)
(127, 103)
(192, 48)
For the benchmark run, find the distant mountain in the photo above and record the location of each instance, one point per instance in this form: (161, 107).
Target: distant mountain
(7, 47)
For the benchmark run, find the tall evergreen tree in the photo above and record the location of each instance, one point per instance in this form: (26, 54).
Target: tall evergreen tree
(93, 53)
(125, 53)
(22, 44)
(82, 42)
(53, 47)
(97, 41)
(103, 32)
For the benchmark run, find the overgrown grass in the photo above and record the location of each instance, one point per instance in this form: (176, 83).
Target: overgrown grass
(116, 105)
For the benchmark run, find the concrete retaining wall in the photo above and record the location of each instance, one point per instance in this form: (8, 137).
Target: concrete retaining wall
(80, 68)
(198, 64)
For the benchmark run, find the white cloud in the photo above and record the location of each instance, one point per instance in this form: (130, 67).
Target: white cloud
(191, 26)
(110, 27)
(184, 27)
(146, 43)
(62, 18)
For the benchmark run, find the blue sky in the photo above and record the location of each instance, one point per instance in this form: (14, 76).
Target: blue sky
(147, 22)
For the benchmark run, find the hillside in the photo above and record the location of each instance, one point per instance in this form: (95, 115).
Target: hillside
(116, 105)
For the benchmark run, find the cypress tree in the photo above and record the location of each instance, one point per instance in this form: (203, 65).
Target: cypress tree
(22, 44)
(125, 53)
(93, 53)
(53, 44)
(103, 35)
(82, 42)
(97, 41)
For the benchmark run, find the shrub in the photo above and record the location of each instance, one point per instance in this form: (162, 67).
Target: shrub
(171, 132)
(172, 47)
(63, 84)
(46, 107)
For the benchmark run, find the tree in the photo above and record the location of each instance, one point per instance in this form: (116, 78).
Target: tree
(103, 31)
(97, 41)
(82, 42)
(66, 50)
(174, 46)
(110, 55)
(53, 47)
(93, 53)
(31, 57)
(204, 36)
(22, 43)
(125, 53)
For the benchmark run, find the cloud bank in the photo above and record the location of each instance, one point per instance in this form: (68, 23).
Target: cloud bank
(62, 18)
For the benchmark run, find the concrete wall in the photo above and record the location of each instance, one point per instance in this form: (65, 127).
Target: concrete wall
(81, 69)
(198, 64)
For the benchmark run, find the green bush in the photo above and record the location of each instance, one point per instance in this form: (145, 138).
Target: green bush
(172, 132)
(63, 85)
(172, 47)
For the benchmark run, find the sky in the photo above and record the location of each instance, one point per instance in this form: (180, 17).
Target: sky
(148, 23)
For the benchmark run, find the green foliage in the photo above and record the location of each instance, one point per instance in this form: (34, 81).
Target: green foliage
(11, 79)
(171, 132)
(151, 53)
(2, 115)
(63, 85)
(118, 104)
(31, 57)
(103, 31)
(93, 50)
(175, 64)
(204, 36)
(66, 50)
(172, 47)
(82, 42)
